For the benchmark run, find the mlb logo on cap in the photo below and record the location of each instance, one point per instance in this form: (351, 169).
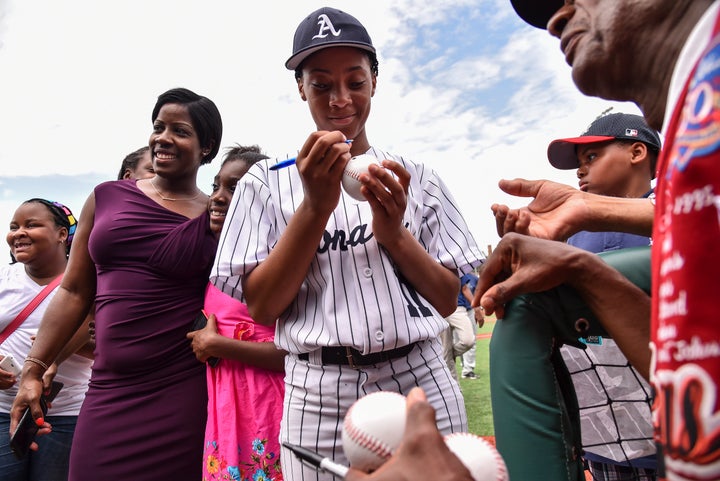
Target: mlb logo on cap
(616, 126)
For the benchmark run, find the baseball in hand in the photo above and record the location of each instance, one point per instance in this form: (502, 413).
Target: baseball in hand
(479, 456)
(373, 428)
(355, 167)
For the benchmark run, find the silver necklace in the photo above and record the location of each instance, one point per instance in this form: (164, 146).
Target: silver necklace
(170, 199)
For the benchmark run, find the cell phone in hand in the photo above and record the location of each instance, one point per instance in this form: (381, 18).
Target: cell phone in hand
(24, 435)
(8, 363)
(199, 323)
(26, 430)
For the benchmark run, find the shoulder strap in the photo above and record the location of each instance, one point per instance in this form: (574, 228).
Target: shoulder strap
(10, 328)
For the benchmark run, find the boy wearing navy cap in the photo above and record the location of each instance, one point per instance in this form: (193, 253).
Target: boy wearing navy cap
(359, 288)
(616, 156)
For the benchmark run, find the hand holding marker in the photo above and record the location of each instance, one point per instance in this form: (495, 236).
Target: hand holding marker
(323, 464)
(291, 161)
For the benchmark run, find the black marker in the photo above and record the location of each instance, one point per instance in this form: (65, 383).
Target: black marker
(323, 464)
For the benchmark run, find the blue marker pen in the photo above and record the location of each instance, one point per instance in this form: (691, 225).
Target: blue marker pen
(286, 163)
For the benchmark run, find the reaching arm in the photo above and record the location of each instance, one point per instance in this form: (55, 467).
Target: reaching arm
(522, 264)
(559, 211)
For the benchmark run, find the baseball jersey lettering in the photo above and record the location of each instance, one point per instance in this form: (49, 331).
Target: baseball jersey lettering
(339, 239)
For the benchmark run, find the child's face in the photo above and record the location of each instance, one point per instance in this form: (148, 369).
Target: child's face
(606, 168)
(338, 86)
(143, 169)
(223, 188)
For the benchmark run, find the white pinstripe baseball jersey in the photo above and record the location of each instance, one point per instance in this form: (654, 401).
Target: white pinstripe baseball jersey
(352, 294)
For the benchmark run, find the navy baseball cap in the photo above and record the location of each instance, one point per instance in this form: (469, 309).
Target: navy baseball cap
(537, 12)
(327, 27)
(618, 126)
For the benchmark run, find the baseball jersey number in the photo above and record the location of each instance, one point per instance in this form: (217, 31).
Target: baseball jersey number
(415, 306)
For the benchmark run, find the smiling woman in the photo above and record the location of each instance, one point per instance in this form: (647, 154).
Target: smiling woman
(39, 238)
(143, 256)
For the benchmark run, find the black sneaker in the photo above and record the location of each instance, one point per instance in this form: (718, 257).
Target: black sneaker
(469, 375)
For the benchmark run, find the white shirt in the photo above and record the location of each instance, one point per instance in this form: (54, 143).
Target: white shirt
(352, 295)
(17, 289)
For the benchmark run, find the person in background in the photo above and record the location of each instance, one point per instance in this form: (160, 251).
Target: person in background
(459, 337)
(142, 254)
(477, 320)
(39, 237)
(137, 165)
(616, 156)
(358, 288)
(245, 387)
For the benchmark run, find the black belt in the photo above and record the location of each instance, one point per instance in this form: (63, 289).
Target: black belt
(348, 356)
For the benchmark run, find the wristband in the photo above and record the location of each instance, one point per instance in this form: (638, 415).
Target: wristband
(37, 361)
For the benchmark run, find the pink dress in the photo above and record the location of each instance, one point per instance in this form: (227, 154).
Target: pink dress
(244, 403)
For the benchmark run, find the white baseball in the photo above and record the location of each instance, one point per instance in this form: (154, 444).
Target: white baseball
(355, 167)
(372, 429)
(479, 456)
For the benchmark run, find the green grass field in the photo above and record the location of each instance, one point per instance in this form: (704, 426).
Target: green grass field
(477, 391)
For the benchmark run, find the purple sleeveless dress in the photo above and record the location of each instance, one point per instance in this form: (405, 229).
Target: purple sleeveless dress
(144, 413)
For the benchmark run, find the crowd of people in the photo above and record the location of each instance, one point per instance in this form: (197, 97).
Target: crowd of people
(308, 299)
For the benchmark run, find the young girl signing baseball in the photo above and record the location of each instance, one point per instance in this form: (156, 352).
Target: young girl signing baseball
(359, 288)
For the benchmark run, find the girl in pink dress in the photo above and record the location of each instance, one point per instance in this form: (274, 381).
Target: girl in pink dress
(246, 387)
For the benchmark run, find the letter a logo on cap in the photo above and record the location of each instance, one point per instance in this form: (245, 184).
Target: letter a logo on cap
(326, 26)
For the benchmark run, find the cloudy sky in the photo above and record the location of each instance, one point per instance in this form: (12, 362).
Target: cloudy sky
(465, 86)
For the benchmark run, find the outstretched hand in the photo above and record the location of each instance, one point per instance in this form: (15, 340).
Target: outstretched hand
(521, 264)
(422, 453)
(556, 212)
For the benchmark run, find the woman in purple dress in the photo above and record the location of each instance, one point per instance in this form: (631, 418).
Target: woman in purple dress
(142, 254)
